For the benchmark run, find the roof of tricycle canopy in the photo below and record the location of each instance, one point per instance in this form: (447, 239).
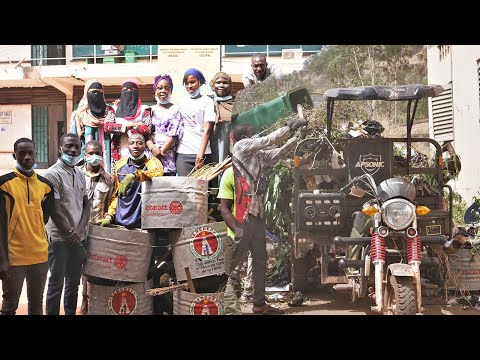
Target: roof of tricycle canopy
(388, 93)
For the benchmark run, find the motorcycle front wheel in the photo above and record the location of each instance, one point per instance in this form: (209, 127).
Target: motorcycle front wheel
(400, 296)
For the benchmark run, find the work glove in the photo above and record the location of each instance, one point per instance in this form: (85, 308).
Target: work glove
(297, 124)
(107, 220)
(125, 183)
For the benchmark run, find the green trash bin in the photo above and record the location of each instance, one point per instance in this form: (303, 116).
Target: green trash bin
(130, 56)
(267, 114)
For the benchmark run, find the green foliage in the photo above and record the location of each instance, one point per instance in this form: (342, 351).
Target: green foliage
(277, 213)
(346, 66)
(459, 207)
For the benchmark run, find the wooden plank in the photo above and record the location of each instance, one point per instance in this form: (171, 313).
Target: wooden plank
(189, 280)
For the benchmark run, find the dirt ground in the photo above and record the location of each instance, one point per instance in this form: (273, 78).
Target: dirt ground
(327, 301)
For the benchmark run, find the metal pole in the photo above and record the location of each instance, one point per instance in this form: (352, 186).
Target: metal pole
(94, 54)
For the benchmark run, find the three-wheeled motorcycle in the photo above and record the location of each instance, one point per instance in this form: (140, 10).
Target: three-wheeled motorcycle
(364, 217)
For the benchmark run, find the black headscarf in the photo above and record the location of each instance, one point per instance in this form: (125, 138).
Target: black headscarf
(96, 102)
(128, 101)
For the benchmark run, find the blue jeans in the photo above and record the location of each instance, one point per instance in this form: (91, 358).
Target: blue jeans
(65, 263)
(36, 276)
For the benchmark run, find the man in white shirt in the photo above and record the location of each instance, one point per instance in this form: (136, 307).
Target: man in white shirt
(260, 70)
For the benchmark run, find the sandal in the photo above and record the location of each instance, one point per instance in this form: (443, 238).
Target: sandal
(267, 310)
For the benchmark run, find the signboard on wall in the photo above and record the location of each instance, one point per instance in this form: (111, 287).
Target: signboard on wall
(5, 117)
(176, 59)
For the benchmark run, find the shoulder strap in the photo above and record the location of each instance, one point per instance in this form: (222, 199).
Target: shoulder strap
(236, 161)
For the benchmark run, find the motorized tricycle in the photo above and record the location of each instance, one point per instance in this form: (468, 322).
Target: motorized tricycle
(373, 240)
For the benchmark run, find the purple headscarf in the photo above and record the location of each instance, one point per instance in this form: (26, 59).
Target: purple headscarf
(194, 72)
(161, 77)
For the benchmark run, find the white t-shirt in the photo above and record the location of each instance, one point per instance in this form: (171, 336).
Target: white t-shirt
(194, 113)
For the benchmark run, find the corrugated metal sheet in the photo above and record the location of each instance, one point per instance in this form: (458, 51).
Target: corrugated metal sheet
(35, 96)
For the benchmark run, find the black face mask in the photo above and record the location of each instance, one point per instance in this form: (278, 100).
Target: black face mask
(128, 103)
(96, 104)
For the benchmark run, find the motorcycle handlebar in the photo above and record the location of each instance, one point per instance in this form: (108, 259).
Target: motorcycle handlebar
(370, 181)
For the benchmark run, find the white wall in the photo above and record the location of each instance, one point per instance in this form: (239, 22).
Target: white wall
(466, 114)
(14, 53)
(21, 127)
(463, 71)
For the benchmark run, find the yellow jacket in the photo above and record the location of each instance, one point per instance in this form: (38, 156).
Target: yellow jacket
(28, 204)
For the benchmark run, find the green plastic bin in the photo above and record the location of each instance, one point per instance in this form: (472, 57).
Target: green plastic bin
(130, 56)
(267, 114)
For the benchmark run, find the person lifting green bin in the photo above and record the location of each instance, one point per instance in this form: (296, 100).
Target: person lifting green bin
(267, 114)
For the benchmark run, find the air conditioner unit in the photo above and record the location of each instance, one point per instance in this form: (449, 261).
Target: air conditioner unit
(292, 54)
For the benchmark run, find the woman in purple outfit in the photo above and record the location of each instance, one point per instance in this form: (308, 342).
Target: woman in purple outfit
(168, 125)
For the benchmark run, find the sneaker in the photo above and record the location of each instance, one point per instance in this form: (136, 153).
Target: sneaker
(246, 298)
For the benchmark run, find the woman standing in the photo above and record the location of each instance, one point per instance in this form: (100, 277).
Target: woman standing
(198, 118)
(167, 125)
(131, 117)
(89, 119)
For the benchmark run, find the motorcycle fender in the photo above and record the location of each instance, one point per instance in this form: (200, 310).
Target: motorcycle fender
(400, 270)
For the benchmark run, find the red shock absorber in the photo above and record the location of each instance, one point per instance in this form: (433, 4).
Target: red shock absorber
(414, 249)
(377, 244)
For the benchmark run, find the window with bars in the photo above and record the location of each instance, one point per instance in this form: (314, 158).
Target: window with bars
(442, 115)
(48, 55)
(40, 133)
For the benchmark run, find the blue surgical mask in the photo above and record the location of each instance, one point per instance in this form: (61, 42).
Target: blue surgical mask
(136, 158)
(28, 171)
(163, 102)
(195, 94)
(93, 160)
(70, 160)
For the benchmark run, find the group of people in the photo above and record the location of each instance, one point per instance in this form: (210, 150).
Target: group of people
(44, 218)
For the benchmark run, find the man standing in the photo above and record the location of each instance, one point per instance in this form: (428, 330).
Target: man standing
(223, 99)
(67, 227)
(226, 194)
(125, 208)
(26, 201)
(260, 70)
(249, 162)
(99, 185)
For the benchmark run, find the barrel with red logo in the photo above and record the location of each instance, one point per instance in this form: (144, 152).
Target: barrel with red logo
(117, 253)
(187, 303)
(201, 248)
(121, 299)
(172, 202)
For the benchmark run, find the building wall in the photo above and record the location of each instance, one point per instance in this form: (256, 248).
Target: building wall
(463, 73)
(21, 126)
(14, 53)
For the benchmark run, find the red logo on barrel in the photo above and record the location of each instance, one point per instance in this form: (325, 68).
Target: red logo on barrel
(123, 301)
(176, 207)
(120, 262)
(206, 305)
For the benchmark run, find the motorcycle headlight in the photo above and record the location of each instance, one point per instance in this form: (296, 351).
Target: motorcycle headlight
(398, 213)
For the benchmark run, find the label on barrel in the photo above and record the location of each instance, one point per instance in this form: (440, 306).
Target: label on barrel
(123, 301)
(205, 243)
(187, 303)
(206, 305)
(201, 249)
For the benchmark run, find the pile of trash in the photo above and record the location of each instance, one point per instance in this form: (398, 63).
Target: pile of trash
(465, 237)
